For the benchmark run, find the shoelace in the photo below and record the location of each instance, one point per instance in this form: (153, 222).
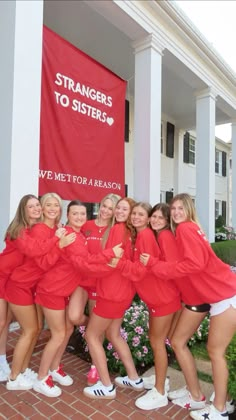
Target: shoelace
(61, 371)
(49, 382)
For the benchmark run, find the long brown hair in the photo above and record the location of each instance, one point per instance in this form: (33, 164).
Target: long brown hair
(165, 210)
(20, 221)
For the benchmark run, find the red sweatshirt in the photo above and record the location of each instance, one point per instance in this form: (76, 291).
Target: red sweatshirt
(94, 235)
(153, 291)
(208, 279)
(115, 287)
(32, 269)
(68, 273)
(13, 254)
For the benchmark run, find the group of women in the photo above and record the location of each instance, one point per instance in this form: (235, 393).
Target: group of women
(160, 253)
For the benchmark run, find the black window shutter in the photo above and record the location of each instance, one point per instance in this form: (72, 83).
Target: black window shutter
(224, 155)
(170, 136)
(126, 190)
(224, 210)
(169, 196)
(126, 121)
(186, 147)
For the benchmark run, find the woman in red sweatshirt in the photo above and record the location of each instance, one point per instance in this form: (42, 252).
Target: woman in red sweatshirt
(53, 292)
(96, 232)
(163, 300)
(18, 244)
(207, 279)
(21, 285)
(114, 295)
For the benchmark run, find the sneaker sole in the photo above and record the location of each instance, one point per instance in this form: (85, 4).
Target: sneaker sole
(22, 388)
(130, 387)
(100, 397)
(40, 391)
(164, 404)
(60, 383)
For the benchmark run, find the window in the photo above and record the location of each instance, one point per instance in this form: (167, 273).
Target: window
(192, 150)
(217, 208)
(189, 149)
(218, 162)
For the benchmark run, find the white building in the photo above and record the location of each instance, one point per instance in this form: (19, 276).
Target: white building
(174, 76)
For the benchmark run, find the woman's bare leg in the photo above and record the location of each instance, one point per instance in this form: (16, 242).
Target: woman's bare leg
(77, 305)
(122, 348)
(94, 336)
(28, 356)
(158, 330)
(56, 323)
(221, 331)
(69, 330)
(27, 318)
(188, 323)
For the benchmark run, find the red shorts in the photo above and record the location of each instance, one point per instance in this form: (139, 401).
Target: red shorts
(92, 294)
(51, 302)
(109, 309)
(164, 310)
(19, 295)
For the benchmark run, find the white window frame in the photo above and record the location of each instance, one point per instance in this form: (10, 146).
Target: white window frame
(192, 150)
(218, 162)
(218, 208)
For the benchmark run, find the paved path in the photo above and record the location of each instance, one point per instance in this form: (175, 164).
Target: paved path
(72, 404)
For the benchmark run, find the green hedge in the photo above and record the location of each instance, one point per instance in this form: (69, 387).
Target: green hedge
(226, 251)
(231, 359)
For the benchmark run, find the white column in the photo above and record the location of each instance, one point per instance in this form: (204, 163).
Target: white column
(178, 181)
(205, 161)
(233, 174)
(147, 120)
(20, 87)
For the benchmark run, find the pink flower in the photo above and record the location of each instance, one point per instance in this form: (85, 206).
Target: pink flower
(138, 330)
(109, 346)
(136, 341)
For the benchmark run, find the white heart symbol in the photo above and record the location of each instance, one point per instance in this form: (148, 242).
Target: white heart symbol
(110, 120)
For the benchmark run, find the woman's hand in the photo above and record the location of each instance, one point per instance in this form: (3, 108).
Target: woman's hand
(113, 262)
(66, 240)
(144, 258)
(60, 231)
(118, 250)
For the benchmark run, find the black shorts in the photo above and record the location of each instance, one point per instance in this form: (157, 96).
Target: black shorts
(204, 307)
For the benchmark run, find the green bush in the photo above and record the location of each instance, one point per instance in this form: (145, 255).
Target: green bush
(231, 359)
(226, 251)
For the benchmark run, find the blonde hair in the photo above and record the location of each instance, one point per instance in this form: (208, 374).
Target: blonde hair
(114, 199)
(44, 199)
(189, 209)
(20, 220)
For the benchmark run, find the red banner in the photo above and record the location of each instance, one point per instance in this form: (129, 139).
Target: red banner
(82, 124)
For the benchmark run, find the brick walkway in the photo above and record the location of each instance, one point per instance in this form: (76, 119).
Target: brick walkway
(72, 404)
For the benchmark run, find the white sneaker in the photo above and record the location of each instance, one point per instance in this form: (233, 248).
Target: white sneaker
(189, 403)
(230, 407)
(46, 387)
(151, 400)
(125, 382)
(178, 393)
(20, 383)
(61, 377)
(149, 382)
(29, 373)
(4, 372)
(99, 391)
(209, 412)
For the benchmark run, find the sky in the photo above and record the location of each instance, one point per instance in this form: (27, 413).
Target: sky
(216, 21)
